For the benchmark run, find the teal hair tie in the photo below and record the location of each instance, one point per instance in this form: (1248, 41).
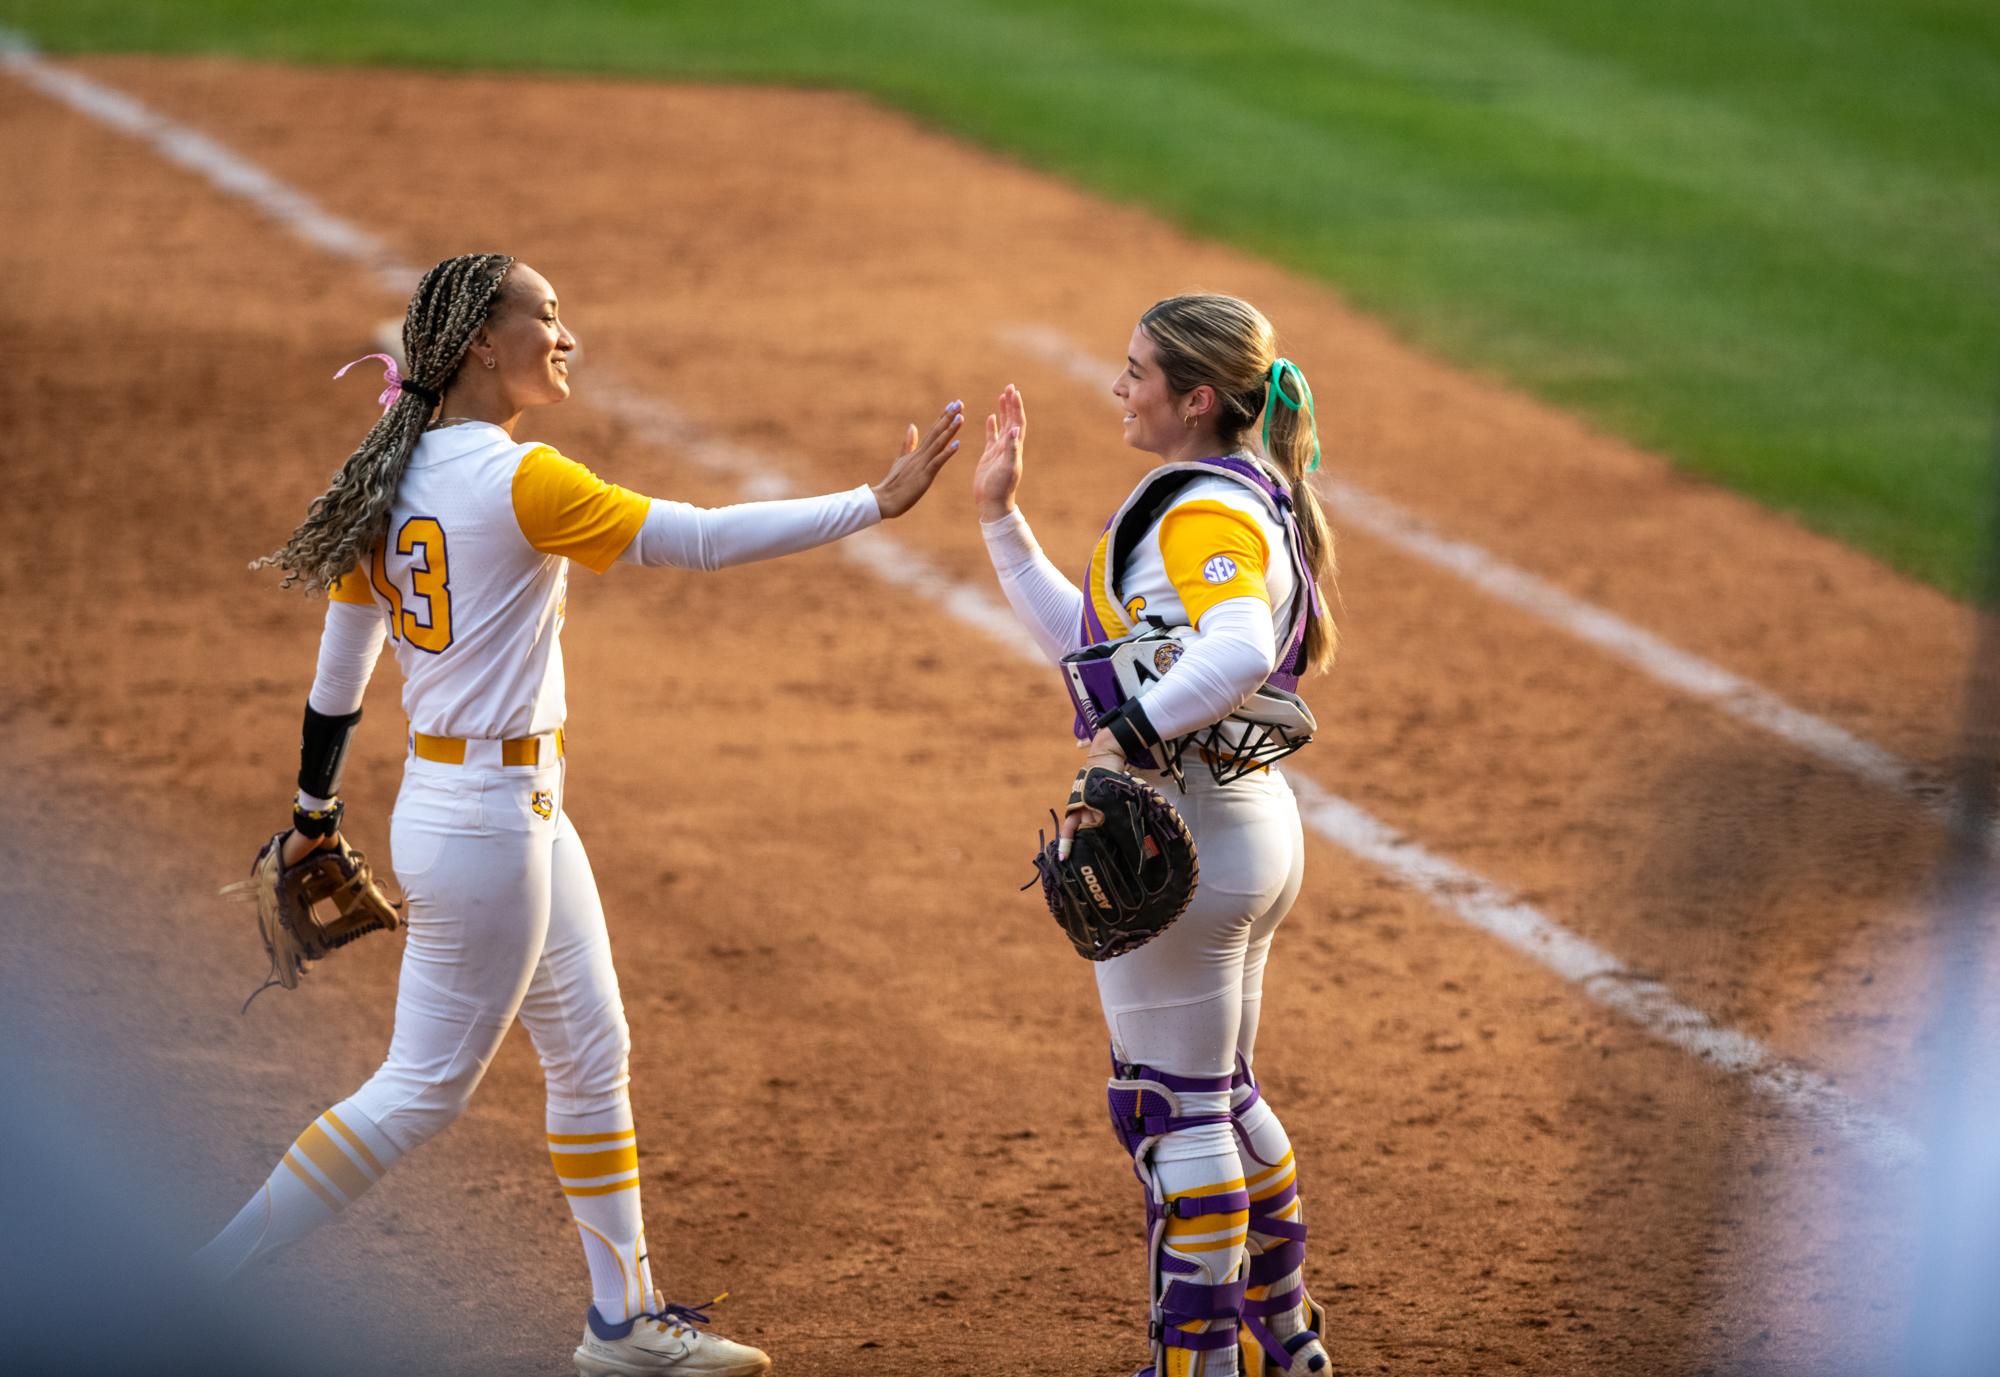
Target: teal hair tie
(1276, 393)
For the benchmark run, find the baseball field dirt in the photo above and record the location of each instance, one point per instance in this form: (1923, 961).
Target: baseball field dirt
(868, 1072)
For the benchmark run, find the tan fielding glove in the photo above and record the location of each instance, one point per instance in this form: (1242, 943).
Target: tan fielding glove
(296, 928)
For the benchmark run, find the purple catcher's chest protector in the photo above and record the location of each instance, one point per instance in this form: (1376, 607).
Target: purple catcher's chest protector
(1108, 672)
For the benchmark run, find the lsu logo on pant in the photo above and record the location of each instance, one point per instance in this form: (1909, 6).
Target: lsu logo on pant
(544, 803)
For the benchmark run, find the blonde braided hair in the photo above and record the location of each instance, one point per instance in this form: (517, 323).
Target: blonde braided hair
(351, 517)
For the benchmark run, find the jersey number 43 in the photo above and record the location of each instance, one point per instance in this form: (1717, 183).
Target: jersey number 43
(426, 621)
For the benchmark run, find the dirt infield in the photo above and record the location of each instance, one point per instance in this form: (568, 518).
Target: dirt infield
(868, 1073)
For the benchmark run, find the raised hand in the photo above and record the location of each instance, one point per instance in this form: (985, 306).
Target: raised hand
(998, 476)
(910, 476)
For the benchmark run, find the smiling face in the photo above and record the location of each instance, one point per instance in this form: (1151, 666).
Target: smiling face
(526, 341)
(1158, 419)
(1151, 419)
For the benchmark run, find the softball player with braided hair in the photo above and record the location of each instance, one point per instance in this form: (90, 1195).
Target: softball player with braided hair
(452, 542)
(1224, 537)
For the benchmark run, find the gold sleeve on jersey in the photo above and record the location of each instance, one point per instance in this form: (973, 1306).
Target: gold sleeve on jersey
(352, 587)
(565, 509)
(1213, 552)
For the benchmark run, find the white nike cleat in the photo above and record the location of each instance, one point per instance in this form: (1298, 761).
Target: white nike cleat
(664, 1342)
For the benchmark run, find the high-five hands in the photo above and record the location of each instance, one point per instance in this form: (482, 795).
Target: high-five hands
(998, 476)
(910, 476)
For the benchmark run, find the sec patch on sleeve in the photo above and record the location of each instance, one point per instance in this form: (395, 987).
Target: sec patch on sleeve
(1220, 569)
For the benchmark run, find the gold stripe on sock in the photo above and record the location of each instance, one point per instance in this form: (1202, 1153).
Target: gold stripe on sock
(1273, 1179)
(579, 1165)
(298, 1170)
(338, 1167)
(633, 1184)
(1210, 1245)
(594, 1137)
(355, 1142)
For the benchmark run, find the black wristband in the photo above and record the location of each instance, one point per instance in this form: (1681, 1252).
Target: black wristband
(317, 823)
(323, 751)
(1134, 732)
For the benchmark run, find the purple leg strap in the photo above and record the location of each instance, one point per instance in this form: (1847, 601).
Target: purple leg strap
(1138, 1114)
(1195, 1206)
(1241, 1078)
(1202, 1340)
(1184, 1302)
(1274, 1264)
(1263, 1216)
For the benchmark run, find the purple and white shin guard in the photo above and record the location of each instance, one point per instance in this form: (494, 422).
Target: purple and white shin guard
(1282, 1326)
(1193, 1250)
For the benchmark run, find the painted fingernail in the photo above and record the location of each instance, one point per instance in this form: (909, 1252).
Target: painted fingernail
(1062, 849)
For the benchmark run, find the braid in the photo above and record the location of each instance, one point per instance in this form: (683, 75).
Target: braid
(351, 517)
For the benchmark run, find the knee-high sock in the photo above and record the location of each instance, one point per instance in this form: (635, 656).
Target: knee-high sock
(341, 1155)
(596, 1158)
(1207, 1250)
(1269, 1172)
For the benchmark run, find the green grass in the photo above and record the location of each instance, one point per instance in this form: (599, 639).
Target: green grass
(1760, 236)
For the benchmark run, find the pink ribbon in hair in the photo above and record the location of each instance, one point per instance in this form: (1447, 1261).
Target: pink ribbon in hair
(389, 375)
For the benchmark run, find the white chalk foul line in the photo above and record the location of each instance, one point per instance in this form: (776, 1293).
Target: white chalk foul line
(1473, 899)
(196, 152)
(1667, 663)
(1605, 979)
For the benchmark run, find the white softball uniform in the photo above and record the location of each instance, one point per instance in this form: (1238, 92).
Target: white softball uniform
(504, 916)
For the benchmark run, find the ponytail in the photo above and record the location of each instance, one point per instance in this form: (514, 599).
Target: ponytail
(1291, 443)
(351, 517)
(1206, 339)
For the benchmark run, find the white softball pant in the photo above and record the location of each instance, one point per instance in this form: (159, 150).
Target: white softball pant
(504, 921)
(1188, 1001)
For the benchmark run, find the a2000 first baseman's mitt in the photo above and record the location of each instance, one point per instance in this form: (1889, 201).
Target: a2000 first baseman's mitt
(296, 931)
(1124, 882)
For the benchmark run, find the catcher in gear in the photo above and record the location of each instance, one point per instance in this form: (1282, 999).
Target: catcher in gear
(296, 932)
(1199, 613)
(1119, 881)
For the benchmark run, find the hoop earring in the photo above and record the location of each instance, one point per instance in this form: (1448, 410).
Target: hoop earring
(489, 363)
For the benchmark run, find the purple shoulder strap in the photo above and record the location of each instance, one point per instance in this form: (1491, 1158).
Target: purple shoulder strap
(1284, 676)
(1093, 629)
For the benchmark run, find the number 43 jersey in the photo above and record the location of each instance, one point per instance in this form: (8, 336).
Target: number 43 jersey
(474, 574)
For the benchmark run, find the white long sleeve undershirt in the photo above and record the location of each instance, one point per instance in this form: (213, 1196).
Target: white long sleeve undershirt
(674, 534)
(348, 649)
(710, 538)
(1049, 605)
(1234, 653)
